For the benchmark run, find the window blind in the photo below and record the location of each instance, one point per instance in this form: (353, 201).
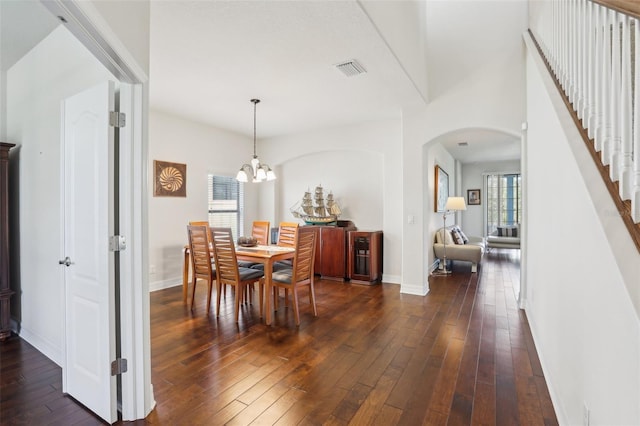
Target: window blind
(226, 203)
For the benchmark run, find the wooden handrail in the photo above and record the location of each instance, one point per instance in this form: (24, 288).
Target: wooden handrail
(628, 7)
(623, 207)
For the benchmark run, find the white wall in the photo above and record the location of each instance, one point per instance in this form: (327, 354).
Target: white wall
(204, 149)
(434, 154)
(473, 178)
(57, 68)
(578, 302)
(359, 163)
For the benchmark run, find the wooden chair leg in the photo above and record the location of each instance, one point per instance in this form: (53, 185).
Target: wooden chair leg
(296, 308)
(275, 298)
(209, 296)
(261, 284)
(312, 299)
(239, 294)
(193, 293)
(218, 294)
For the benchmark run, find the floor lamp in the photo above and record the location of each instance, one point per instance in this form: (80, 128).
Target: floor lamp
(453, 204)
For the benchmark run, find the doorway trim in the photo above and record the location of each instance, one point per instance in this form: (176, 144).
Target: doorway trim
(85, 22)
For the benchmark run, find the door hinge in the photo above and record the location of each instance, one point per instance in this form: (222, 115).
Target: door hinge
(119, 366)
(117, 243)
(117, 119)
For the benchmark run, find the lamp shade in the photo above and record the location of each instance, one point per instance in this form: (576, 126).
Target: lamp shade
(455, 203)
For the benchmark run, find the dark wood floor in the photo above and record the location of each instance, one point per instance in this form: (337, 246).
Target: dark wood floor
(461, 355)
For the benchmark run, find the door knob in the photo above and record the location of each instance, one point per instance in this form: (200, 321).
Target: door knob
(66, 261)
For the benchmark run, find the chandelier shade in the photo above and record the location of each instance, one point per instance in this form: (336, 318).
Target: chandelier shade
(258, 171)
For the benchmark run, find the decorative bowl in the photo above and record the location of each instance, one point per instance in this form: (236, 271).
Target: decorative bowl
(247, 241)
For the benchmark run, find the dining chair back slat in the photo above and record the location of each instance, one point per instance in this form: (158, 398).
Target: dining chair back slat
(201, 260)
(287, 234)
(260, 230)
(301, 274)
(228, 272)
(203, 223)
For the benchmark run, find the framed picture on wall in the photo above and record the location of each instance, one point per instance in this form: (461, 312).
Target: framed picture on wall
(169, 179)
(473, 197)
(441, 189)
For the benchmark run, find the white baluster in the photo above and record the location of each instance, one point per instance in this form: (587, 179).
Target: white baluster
(614, 95)
(604, 102)
(580, 52)
(575, 54)
(586, 62)
(568, 48)
(565, 47)
(635, 201)
(554, 37)
(626, 155)
(596, 80)
(589, 72)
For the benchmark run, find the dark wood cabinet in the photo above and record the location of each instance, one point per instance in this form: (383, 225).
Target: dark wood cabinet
(5, 286)
(365, 257)
(331, 249)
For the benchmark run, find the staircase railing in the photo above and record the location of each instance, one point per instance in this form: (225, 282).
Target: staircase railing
(594, 53)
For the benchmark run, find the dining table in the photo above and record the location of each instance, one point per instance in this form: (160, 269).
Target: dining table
(264, 254)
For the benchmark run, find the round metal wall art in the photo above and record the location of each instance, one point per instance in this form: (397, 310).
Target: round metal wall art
(171, 179)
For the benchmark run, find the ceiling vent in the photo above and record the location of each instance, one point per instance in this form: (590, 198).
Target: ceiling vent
(463, 143)
(350, 68)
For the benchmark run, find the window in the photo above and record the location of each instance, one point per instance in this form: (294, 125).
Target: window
(504, 201)
(226, 203)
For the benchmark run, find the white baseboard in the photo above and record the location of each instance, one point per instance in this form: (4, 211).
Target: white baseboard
(415, 289)
(44, 346)
(161, 285)
(391, 279)
(555, 399)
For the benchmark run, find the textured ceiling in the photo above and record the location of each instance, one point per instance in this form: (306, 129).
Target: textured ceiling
(208, 59)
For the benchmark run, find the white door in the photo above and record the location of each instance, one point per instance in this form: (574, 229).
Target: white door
(89, 272)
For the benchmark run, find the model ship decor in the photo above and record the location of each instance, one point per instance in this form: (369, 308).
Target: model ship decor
(316, 210)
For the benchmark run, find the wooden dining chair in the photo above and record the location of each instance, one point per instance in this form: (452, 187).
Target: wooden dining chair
(260, 231)
(229, 273)
(301, 273)
(201, 260)
(202, 223)
(287, 232)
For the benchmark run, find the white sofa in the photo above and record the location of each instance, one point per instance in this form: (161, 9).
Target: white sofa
(504, 237)
(471, 251)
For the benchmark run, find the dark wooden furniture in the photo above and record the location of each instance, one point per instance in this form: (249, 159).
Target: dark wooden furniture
(5, 286)
(331, 249)
(365, 257)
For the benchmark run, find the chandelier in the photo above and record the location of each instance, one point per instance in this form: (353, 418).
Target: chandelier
(258, 171)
